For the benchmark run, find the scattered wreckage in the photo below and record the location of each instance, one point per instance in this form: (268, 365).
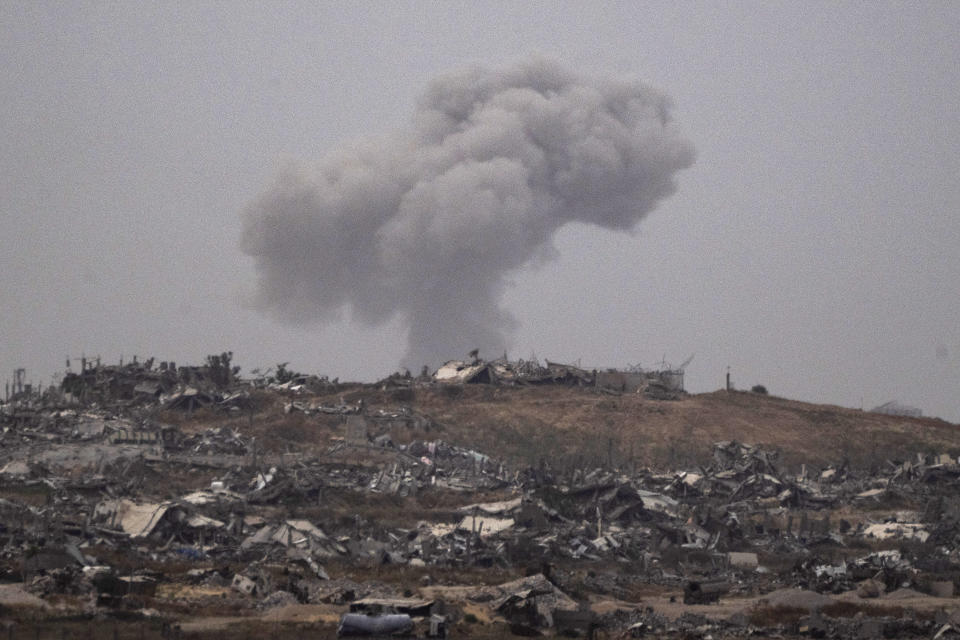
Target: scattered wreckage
(663, 384)
(279, 531)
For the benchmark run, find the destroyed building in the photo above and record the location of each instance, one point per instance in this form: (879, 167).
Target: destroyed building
(894, 408)
(665, 382)
(320, 494)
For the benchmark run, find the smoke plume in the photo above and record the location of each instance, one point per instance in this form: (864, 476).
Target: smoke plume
(426, 224)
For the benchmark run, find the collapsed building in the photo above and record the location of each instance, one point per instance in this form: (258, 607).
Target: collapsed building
(894, 408)
(270, 529)
(662, 383)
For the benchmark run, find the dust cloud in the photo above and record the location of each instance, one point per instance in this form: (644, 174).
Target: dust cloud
(427, 224)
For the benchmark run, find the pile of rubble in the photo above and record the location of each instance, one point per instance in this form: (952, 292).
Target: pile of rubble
(79, 517)
(661, 384)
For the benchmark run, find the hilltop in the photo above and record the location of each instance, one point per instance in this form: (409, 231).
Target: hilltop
(570, 426)
(524, 414)
(565, 422)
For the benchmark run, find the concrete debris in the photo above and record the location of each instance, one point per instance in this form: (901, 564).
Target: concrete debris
(411, 606)
(104, 499)
(695, 592)
(244, 585)
(354, 624)
(528, 604)
(16, 468)
(661, 384)
(485, 526)
(886, 530)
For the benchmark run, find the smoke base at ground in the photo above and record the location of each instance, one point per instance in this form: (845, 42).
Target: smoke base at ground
(427, 224)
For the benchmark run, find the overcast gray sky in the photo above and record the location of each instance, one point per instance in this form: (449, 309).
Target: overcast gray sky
(812, 246)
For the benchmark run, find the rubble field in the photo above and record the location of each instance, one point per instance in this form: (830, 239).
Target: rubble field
(488, 500)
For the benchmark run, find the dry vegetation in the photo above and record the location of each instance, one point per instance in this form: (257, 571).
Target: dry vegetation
(581, 426)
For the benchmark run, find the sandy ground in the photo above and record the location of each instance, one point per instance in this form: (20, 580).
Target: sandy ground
(722, 610)
(799, 598)
(304, 613)
(209, 624)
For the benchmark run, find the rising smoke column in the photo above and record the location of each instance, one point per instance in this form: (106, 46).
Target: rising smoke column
(428, 223)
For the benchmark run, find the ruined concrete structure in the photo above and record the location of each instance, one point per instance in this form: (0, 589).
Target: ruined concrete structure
(111, 511)
(894, 408)
(663, 382)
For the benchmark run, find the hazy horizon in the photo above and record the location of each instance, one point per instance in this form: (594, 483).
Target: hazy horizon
(809, 246)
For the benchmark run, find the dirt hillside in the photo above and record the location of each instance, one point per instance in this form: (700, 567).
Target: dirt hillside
(564, 426)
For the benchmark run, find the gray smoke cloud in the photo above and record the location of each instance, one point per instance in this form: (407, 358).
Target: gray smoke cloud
(428, 223)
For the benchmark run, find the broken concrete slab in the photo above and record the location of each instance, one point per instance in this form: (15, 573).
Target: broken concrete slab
(743, 560)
